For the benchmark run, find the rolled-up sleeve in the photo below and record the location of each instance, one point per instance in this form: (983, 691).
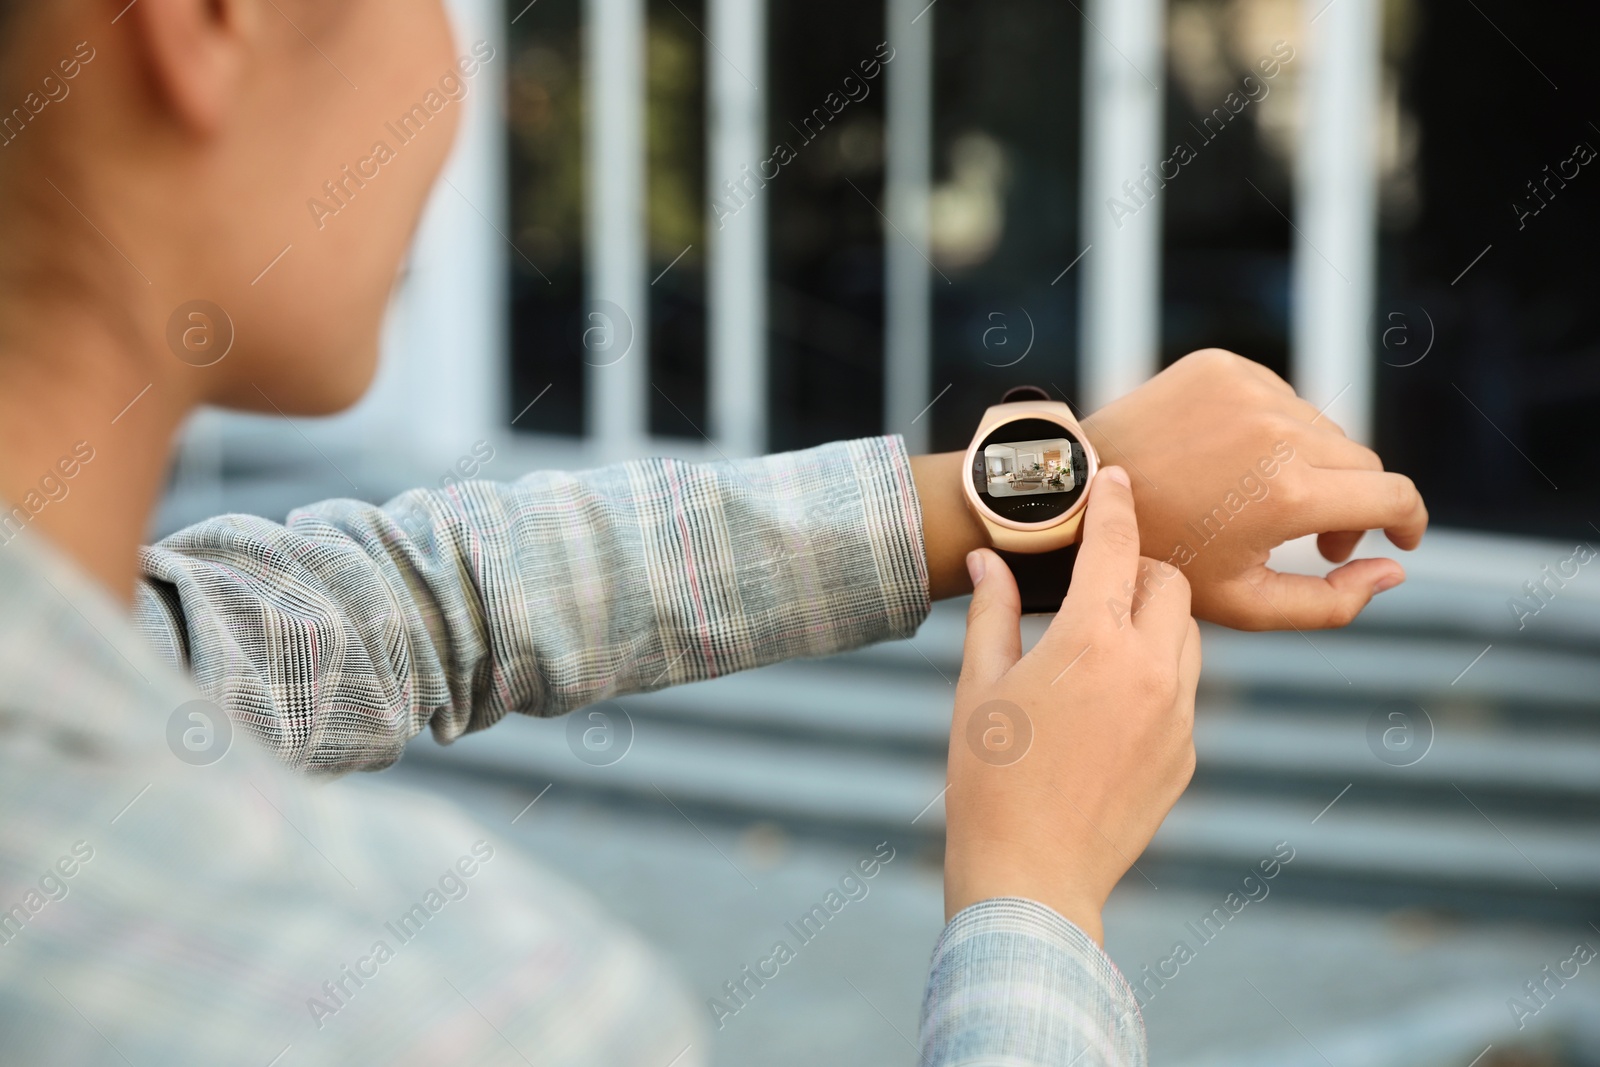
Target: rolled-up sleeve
(339, 635)
(1014, 984)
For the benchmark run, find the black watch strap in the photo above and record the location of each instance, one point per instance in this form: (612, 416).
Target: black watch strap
(1042, 577)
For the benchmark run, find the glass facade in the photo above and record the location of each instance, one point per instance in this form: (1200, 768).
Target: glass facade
(1487, 320)
(1004, 206)
(1232, 92)
(545, 116)
(826, 273)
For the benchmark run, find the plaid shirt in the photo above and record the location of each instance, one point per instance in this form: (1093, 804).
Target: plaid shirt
(168, 897)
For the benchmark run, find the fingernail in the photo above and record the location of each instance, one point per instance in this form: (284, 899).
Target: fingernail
(975, 567)
(1387, 582)
(1118, 475)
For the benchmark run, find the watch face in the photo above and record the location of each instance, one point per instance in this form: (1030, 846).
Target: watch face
(1030, 470)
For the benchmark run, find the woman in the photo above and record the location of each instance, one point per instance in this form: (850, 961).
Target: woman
(174, 899)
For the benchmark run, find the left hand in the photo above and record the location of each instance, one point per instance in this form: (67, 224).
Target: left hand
(1228, 463)
(1101, 757)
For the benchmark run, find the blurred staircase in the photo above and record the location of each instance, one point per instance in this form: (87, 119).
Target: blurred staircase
(1500, 815)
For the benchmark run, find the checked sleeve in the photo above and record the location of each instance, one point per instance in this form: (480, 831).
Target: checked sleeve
(1014, 984)
(339, 635)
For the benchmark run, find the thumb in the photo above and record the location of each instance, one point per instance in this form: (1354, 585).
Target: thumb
(994, 621)
(1266, 599)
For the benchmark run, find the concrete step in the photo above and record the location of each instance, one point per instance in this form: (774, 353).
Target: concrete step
(1357, 839)
(712, 768)
(820, 703)
(1356, 663)
(1506, 801)
(1504, 760)
(1458, 837)
(817, 698)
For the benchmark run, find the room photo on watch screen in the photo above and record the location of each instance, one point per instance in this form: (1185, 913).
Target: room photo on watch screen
(1029, 470)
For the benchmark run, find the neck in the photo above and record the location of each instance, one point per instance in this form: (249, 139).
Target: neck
(86, 421)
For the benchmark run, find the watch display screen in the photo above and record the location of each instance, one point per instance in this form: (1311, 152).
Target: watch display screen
(1030, 470)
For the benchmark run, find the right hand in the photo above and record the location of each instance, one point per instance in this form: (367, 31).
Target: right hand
(1221, 443)
(1108, 692)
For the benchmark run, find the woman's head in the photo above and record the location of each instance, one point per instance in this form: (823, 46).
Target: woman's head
(269, 157)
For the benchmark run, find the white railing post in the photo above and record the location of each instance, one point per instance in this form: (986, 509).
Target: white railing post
(1335, 246)
(1120, 276)
(616, 324)
(737, 224)
(908, 299)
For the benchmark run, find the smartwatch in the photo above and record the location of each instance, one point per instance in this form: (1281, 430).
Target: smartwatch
(1026, 479)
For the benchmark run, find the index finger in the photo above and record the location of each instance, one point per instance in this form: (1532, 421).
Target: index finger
(1108, 561)
(1364, 500)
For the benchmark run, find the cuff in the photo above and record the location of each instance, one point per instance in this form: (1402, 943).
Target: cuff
(1013, 982)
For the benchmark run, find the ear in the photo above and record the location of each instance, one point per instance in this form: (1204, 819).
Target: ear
(195, 51)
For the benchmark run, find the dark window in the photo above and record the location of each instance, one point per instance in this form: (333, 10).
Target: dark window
(1227, 150)
(826, 239)
(676, 123)
(1487, 254)
(545, 119)
(1004, 219)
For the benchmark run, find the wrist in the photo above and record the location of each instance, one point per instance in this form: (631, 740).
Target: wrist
(949, 529)
(1080, 911)
(1110, 455)
(1068, 877)
(1148, 505)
